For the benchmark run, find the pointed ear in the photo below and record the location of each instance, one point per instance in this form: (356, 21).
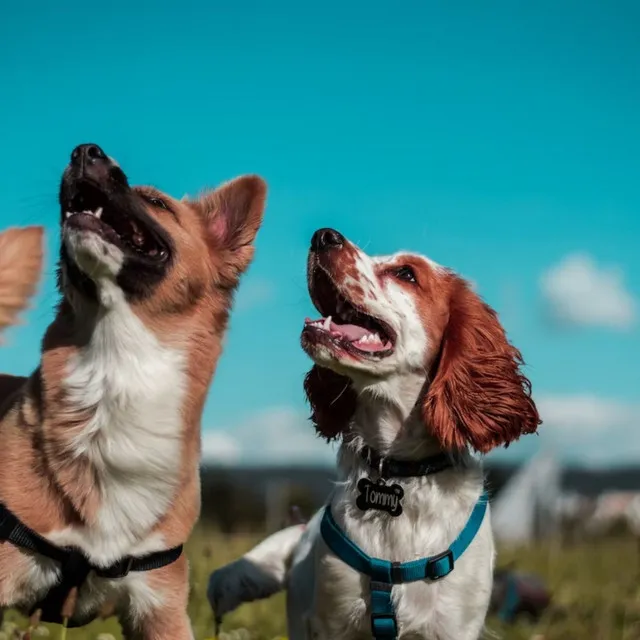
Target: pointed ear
(233, 214)
(332, 400)
(478, 396)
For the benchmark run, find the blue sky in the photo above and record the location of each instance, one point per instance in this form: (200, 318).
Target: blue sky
(502, 143)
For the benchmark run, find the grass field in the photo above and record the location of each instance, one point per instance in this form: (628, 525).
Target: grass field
(595, 586)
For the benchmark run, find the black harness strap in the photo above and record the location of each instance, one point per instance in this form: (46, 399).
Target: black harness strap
(74, 565)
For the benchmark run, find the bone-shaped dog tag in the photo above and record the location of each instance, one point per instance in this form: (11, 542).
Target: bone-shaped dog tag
(379, 496)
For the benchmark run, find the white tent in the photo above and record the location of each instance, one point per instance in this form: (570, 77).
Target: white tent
(527, 507)
(615, 506)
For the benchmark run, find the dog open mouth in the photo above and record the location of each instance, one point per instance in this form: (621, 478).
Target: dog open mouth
(343, 324)
(91, 210)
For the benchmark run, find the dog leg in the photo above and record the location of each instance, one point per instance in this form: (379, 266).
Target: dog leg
(259, 574)
(165, 625)
(156, 608)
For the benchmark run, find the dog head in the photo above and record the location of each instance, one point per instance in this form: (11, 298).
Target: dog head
(388, 317)
(162, 255)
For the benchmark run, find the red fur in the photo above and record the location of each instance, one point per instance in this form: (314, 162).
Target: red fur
(478, 396)
(332, 400)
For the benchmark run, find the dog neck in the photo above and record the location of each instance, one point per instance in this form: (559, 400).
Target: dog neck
(390, 424)
(387, 418)
(113, 415)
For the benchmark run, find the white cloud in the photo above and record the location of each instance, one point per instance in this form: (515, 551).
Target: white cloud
(219, 448)
(589, 429)
(253, 293)
(584, 411)
(277, 435)
(577, 291)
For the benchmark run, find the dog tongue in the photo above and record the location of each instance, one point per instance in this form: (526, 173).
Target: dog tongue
(351, 332)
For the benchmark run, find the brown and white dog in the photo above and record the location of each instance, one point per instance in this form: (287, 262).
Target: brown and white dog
(101, 444)
(410, 365)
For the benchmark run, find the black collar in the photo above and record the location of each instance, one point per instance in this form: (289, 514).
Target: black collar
(392, 468)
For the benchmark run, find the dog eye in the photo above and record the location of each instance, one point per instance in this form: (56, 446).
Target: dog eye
(405, 273)
(157, 202)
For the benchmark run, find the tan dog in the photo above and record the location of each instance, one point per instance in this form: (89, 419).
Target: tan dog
(99, 477)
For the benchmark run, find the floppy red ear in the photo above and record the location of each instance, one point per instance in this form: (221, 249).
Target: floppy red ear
(332, 400)
(233, 214)
(478, 396)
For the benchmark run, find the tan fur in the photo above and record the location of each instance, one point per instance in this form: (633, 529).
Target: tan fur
(172, 620)
(51, 490)
(21, 254)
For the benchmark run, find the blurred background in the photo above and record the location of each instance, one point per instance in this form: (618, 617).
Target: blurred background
(500, 140)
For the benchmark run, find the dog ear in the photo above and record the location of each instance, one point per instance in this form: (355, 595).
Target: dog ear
(21, 260)
(332, 400)
(478, 396)
(233, 214)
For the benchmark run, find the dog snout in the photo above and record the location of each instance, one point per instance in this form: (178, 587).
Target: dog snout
(87, 154)
(327, 238)
(91, 162)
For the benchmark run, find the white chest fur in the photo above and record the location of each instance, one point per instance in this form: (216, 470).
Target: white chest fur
(436, 509)
(134, 386)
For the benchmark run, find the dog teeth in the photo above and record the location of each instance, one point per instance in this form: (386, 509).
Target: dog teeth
(97, 213)
(322, 324)
(370, 338)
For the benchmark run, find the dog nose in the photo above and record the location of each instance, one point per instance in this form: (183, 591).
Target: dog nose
(89, 161)
(324, 239)
(86, 154)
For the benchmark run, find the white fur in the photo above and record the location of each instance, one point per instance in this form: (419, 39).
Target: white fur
(135, 387)
(92, 254)
(387, 300)
(326, 599)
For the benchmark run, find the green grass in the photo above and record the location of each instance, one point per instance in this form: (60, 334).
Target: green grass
(595, 586)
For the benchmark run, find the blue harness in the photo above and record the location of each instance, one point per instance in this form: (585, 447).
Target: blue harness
(385, 574)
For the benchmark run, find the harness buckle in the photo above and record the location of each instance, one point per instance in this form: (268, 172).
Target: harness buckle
(119, 570)
(396, 573)
(434, 569)
(383, 626)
